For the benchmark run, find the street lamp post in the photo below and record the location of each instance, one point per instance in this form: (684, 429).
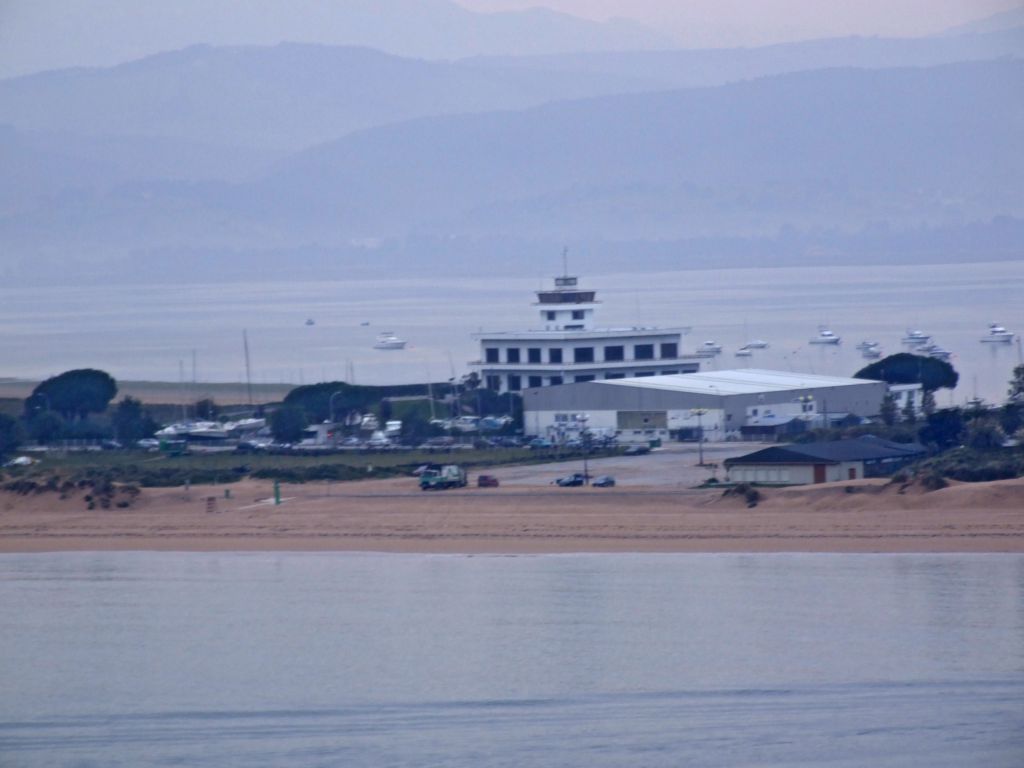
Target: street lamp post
(699, 413)
(585, 439)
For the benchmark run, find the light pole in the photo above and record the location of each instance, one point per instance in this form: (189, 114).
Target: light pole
(585, 439)
(699, 413)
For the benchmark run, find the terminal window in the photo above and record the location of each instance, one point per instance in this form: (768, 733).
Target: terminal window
(491, 354)
(583, 354)
(612, 354)
(512, 355)
(533, 354)
(669, 350)
(555, 355)
(643, 352)
(515, 383)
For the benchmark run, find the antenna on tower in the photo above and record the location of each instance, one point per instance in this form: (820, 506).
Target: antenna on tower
(565, 261)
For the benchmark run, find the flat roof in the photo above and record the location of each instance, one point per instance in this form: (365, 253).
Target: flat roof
(745, 381)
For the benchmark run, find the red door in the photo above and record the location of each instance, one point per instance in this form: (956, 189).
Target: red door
(852, 473)
(819, 473)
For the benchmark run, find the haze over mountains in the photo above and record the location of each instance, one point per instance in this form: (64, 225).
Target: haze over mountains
(309, 158)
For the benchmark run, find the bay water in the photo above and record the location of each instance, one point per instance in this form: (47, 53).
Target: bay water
(345, 659)
(151, 331)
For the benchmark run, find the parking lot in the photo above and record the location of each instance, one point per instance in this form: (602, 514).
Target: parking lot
(674, 464)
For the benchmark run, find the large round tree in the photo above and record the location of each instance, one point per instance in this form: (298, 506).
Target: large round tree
(905, 368)
(73, 394)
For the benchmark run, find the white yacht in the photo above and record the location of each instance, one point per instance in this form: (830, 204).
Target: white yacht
(916, 337)
(757, 344)
(388, 340)
(870, 350)
(825, 336)
(998, 334)
(709, 349)
(867, 345)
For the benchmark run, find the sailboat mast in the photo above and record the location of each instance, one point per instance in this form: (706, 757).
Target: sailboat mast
(248, 369)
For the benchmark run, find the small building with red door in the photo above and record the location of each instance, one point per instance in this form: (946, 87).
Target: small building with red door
(807, 463)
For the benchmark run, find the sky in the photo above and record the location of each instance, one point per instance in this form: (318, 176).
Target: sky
(754, 22)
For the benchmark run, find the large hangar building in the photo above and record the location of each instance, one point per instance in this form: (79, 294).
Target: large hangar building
(720, 404)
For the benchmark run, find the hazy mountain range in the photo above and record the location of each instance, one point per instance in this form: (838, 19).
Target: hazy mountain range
(34, 36)
(314, 159)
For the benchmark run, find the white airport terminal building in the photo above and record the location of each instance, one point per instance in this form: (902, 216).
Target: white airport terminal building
(722, 405)
(567, 348)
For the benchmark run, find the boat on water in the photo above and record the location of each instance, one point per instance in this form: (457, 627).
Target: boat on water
(310, 321)
(872, 352)
(916, 337)
(825, 336)
(935, 351)
(744, 351)
(997, 334)
(867, 345)
(709, 348)
(757, 344)
(388, 340)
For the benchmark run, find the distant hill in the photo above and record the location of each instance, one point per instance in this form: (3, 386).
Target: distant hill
(290, 97)
(998, 22)
(38, 36)
(835, 152)
(832, 148)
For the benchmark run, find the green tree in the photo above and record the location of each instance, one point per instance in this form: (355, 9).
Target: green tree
(206, 409)
(1016, 392)
(905, 368)
(944, 429)
(73, 394)
(47, 426)
(984, 435)
(928, 402)
(131, 422)
(287, 423)
(11, 434)
(909, 412)
(888, 410)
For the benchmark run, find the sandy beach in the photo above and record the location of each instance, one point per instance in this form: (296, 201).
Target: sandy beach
(394, 516)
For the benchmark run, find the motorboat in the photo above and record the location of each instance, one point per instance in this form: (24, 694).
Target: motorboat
(825, 336)
(871, 353)
(998, 334)
(757, 344)
(867, 345)
(935, 351)
(916, 337)
(744, 351)
(709, 349)
(310, 321)
(389, 340)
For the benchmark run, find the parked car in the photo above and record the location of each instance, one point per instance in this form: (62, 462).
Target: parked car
(570, 481)
(604, 481)
(487, 481)
(540, 443)
(148, 443)
(636, 450)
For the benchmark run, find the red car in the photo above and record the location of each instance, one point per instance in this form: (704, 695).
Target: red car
(487, 481)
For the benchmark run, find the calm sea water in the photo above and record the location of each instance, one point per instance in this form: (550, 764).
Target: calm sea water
(229, 659)
(145, 331)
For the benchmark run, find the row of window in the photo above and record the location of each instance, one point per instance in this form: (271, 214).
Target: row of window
(612, 353)
(515, 383)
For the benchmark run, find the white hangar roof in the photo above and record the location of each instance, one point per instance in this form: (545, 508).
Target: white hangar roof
(746, 381)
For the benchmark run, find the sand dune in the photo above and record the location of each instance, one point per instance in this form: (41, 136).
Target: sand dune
(392, 515)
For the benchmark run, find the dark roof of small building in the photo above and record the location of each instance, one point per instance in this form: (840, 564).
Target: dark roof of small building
(866, 448)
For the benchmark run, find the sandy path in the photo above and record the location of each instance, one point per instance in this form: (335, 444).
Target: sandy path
(394, 516)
